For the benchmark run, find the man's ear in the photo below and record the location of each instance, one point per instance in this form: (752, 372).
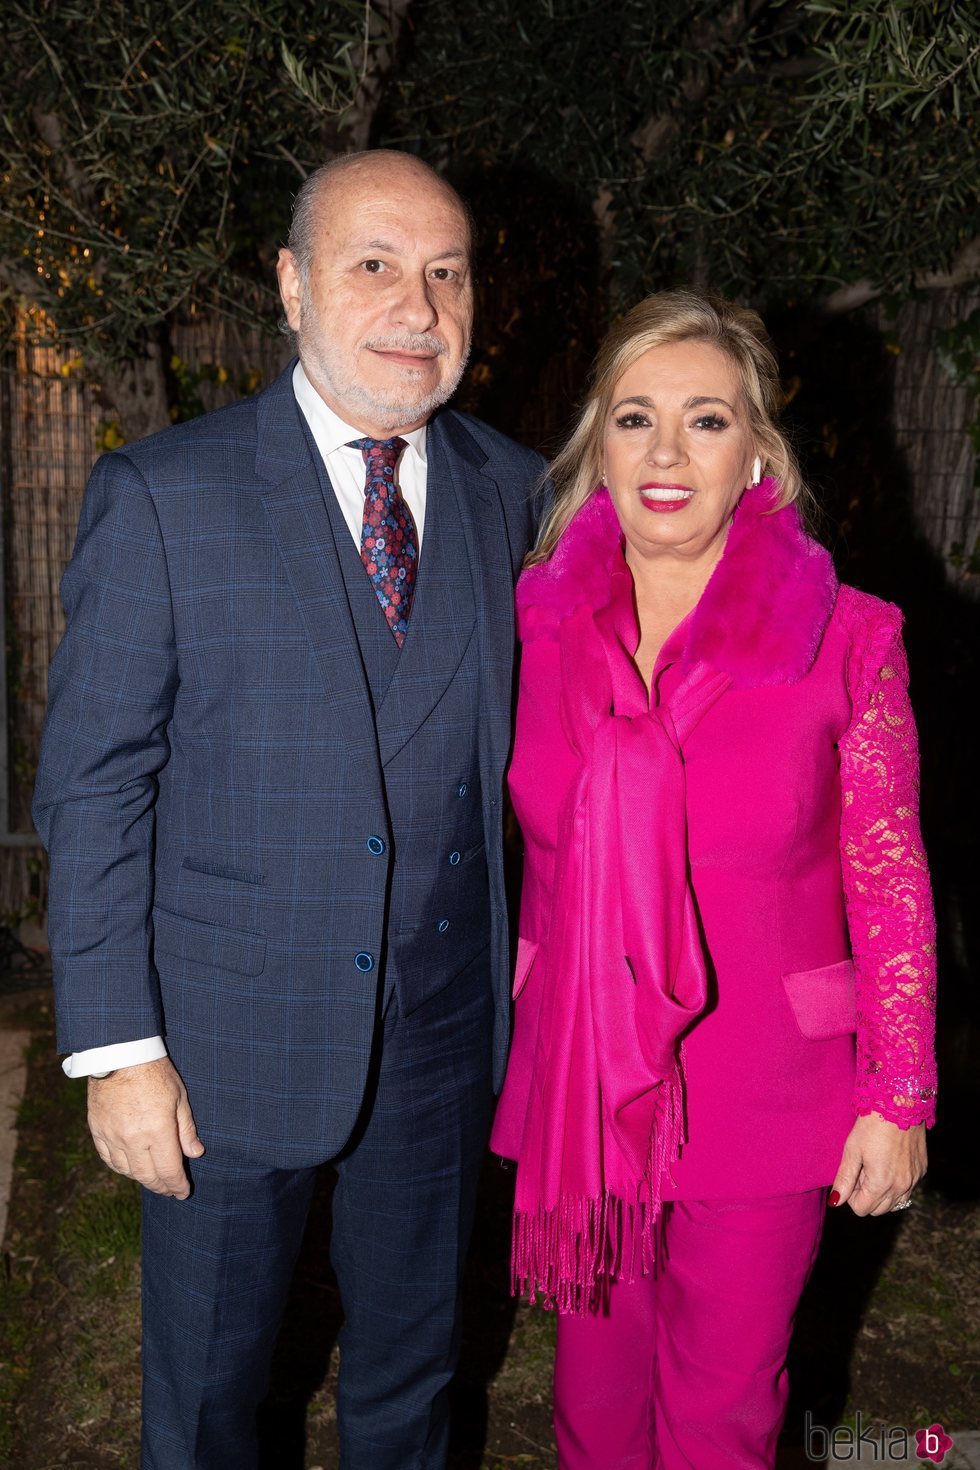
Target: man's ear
(290, 287)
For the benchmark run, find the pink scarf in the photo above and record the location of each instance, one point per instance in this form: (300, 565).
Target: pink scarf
(625, 974)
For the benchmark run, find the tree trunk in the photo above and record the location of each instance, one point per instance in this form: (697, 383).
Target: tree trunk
(932, 417)
(135, 393)
(356, 122)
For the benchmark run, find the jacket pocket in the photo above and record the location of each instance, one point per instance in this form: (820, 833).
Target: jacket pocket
(221, 870)
(527, 950)
(207, 944)
(822, 1000)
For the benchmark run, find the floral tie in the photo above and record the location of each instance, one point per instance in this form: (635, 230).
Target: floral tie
(389, 543)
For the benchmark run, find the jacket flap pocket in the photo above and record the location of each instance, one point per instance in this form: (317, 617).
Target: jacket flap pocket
(207, 944)
(822, 1000)
(207, 869)
(526, 951)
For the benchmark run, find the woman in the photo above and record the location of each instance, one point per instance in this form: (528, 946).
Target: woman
(715, 775)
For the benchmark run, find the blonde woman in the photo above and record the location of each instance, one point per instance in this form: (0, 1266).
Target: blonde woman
(725, 986)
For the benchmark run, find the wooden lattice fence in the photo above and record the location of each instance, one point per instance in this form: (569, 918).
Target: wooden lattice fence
(52, 429)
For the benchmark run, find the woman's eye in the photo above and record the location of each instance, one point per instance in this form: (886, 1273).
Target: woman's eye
(710, 421)
(633, 421)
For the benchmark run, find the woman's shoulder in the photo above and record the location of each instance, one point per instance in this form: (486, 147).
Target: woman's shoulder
(576, 574)
(861, 615)
(872, 630)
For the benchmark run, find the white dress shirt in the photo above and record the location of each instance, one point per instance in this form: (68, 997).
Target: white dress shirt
(345, 467)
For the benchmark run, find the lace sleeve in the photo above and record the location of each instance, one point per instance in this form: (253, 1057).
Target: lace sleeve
(886, 880)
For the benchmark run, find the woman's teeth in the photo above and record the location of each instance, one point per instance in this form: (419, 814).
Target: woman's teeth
(652, 493)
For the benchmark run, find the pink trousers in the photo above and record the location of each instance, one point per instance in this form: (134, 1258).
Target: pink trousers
(685, 1369)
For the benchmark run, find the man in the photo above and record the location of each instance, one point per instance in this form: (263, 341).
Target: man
(270, 786)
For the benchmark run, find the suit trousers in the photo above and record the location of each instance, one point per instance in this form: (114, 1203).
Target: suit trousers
(685, 1369)
(217, 1267)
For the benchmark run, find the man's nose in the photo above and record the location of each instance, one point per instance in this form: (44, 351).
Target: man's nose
(413, 307)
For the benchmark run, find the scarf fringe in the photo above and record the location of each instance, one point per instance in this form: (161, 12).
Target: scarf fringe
(566, 1254)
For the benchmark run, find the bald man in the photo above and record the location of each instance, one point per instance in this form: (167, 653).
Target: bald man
(270, 787)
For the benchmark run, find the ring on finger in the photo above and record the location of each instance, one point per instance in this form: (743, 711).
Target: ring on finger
(903, 1204)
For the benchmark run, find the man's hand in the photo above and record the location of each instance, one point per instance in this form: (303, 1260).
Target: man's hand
(143, 1127)
(882, 1164)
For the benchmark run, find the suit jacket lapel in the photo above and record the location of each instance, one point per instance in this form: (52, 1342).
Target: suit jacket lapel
(484, 526)
(441, 624)
(293, 498)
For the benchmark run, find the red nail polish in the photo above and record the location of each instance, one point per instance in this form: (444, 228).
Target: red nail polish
(834, 1199)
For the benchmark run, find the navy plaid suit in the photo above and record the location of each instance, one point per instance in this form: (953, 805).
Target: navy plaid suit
(280, 846)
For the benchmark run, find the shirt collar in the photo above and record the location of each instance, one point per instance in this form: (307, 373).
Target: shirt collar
(330, 431)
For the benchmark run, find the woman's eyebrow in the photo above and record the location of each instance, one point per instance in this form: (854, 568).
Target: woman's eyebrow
(641, 401)
(700, 402)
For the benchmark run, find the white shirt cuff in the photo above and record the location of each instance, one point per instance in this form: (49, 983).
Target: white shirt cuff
(102, 1059)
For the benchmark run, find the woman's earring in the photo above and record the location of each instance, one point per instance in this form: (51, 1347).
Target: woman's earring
(756, 471)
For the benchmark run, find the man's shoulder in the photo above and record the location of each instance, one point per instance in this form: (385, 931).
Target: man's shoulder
(221, 428)
(498, 448)
(223, 433)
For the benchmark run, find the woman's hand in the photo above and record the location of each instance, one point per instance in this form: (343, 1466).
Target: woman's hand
(880, 1167)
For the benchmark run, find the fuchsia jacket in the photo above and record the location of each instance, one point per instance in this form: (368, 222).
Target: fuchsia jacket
(726, 934)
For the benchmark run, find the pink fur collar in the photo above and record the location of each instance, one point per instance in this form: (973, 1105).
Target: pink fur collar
(761, 617)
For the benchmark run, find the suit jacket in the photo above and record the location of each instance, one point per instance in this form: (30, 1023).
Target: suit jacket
(212, 789)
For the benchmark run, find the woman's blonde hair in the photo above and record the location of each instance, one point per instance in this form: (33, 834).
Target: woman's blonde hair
(672, 316)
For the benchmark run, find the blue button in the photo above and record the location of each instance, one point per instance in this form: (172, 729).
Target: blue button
(376, 845)
(462, 789)
(442, 925)
(364, 962)
(454, 858)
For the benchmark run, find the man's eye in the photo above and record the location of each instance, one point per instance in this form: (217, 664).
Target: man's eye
(373, 267)
(444, 273)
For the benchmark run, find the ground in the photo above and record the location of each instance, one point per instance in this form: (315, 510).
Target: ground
(889, 1325)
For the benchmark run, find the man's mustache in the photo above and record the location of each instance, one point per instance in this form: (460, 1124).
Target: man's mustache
(422, 342)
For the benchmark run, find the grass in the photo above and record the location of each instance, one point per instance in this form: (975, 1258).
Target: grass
(102, 1230)
(922, 1319)
(69, 1309)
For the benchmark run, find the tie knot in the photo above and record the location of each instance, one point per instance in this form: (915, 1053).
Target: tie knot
(379, 453)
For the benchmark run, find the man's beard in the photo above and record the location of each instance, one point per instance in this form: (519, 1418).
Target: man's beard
(389, 410)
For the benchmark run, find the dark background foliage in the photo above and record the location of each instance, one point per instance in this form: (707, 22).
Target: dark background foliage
(773, 149)
(147, 153)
